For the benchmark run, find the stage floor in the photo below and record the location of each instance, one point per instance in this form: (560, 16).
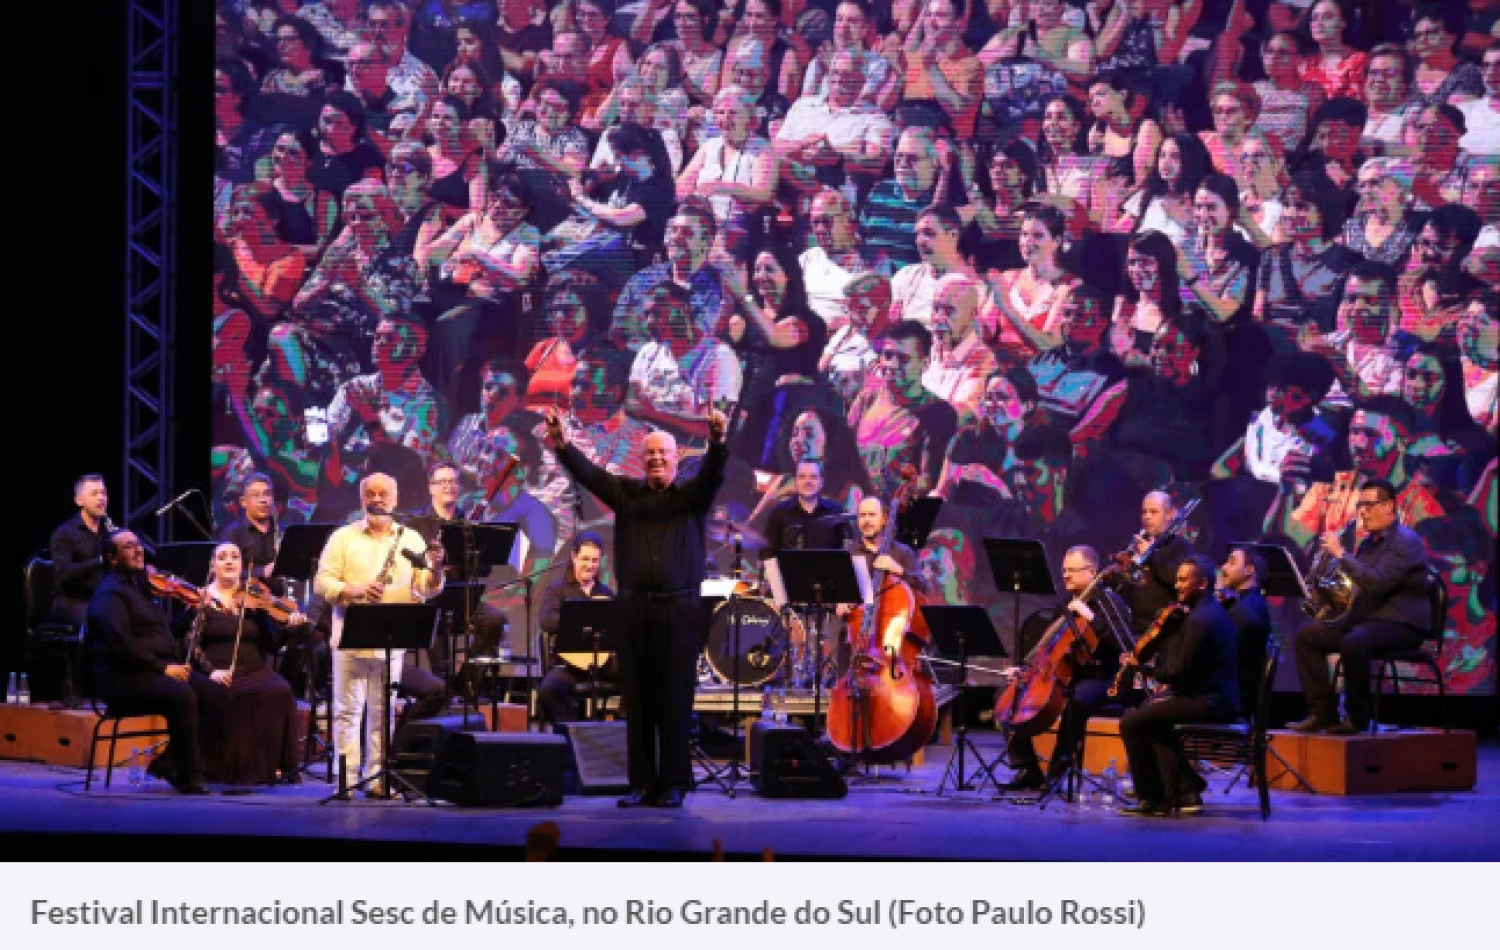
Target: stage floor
(45, 814)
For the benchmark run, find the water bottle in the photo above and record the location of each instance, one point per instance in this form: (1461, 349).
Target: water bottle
(1126, 790)
(1085, 797)
(11, 694)
(781, 704)
(767, 707)
(502, 652)
(23, 695)
(1111, 790)
(137, 773)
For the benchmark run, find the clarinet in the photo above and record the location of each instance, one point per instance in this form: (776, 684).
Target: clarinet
(387, 570)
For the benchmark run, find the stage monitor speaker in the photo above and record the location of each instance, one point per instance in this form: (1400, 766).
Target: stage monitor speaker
(417, 745)
(787, 763)
(599, 757)
(500, 769)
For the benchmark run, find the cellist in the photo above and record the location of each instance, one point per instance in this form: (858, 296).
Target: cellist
(1109, 617)
(901, 562)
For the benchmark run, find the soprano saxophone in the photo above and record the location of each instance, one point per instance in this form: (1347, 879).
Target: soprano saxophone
(388, 569)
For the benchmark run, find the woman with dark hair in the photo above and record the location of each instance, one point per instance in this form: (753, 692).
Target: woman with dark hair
(476, 45)
(306, 221)
(1338, 67)
(1441, 76)
(1005, 178)
(1165, 201)
(1122, 133)
(761, 20)
(625, 224)
(471, 84)
(1286, 101)
(609, 57)
(270, 269)
(1332, 143)
(302, 69)
(1167, 408)
(1433, 385)
(974, 473)
(1479, 345)
(695, 22)
(345, 155)
(550, 149)
(1068, 172)
(1030, 298)
(577, 310)
(775, 318)
(1299, 282)
(459, 180)
(1150, 299)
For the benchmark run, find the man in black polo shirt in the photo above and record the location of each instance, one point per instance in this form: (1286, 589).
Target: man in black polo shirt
(659, 560)
(77, 562)
(136, 666)
(254, 532)
(806, 520)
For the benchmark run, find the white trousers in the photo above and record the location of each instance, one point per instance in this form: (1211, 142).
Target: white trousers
(359, 691)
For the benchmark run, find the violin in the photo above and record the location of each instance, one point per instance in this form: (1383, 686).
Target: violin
(257, 595)
(1147, 639)
(167, 584)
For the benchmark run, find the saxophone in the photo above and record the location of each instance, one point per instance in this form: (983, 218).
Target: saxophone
(388, 569)
(1330, 590)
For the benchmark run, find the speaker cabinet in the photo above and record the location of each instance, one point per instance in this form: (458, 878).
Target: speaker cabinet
(416, 746)
(500, 769)
(787, 763)
(599, 756)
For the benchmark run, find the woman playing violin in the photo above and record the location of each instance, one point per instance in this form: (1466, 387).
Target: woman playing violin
(257, 745)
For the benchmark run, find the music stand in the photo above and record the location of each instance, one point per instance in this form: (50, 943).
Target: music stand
(387, 627)
(957, 629)
(189, 560)
(589, 626)
(473, 549)
(457, 597)
(1019, 565)
(914, 524)
(821, 576)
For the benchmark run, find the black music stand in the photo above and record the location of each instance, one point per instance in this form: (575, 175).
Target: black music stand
(473, 548)
(958, 629)
(387, 627)
(461, 598)
(1019, 565)
(914, 524)
(819, 576)
(590, 625)
(189, 560)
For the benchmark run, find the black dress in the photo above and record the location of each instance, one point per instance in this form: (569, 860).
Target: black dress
(259, 734)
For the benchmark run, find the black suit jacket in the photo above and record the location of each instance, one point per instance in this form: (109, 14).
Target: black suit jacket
(1390, 570)
(1252, 621)
(1146, 600)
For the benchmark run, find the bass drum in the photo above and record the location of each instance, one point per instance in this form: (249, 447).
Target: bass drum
(762, 644)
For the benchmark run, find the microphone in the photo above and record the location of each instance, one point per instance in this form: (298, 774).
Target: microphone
(418, 561)
(173, 503)
(739, 540)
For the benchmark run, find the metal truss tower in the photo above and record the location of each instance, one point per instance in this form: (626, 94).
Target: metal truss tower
(150, 262)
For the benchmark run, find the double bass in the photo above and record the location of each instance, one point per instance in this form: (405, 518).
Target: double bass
(883, 708)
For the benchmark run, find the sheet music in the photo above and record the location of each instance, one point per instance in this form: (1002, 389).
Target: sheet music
(721, 587)
(772, 573)
(519, 550)
(866, 585)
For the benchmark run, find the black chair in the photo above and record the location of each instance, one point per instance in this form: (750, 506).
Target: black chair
(1238, 743)
(1427, 664)
(46, 636)
(93, 653)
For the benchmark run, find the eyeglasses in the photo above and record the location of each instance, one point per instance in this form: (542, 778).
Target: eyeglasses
(1228, 110)
(1363, 505)
(444, 482)
(906, 159)
(402, 168)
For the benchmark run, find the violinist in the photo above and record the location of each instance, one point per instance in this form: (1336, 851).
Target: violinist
(1158, 579)
(1107, 615)
(234, 640)
(1239, 593)
(136, 666)
(1195, 665)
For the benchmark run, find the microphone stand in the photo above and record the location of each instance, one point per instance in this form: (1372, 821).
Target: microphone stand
(176, 505)
(526, 579)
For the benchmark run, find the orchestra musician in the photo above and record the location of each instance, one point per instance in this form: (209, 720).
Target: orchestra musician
(1109, 617)
(555, 695)
(235, 639)
(1390, 613)
(1239, 592)
(806, 520)
(77, 550)
(254, 532)
(371, 561)
(659, 551)
(1158, 580)
(136, 665)
(1196, 667)
(901, 562)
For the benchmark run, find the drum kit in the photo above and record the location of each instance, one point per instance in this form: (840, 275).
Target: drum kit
(774, 645)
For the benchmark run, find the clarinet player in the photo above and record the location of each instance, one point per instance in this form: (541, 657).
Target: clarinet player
(373, 560)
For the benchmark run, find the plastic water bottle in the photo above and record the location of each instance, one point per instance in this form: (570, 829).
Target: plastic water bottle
(781, 704)
(502, 652)
(1085, 797)
(12, 696)
(767, 706)
(23, 695)
(1111, 782)
(137, 773)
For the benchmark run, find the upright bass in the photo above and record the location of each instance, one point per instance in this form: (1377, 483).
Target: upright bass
(883, 708)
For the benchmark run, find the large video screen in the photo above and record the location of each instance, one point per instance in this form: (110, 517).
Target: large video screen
(1029, 286)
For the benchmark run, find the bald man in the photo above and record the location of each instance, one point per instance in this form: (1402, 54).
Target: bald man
(1158, 586)
(371, 561)
(961, 362)
(659, 557)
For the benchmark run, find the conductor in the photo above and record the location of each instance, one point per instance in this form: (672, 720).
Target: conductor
(659, 557)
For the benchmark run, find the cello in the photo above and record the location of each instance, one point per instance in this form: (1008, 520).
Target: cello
(883, 708)
(1032, 702)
